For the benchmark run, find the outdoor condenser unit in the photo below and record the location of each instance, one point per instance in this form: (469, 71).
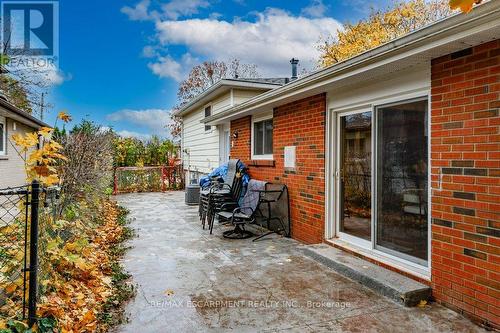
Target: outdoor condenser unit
(192, 194)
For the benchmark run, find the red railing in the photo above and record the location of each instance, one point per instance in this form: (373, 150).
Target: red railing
(148, 179)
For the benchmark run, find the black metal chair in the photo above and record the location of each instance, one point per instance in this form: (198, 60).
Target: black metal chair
(216, 201)
(216, 186)
(239, 216)
(267, 198)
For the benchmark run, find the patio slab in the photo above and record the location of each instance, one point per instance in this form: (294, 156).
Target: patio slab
(388, 283)
(190, 281)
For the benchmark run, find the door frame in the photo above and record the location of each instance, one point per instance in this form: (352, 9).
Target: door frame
(223, 128)
(331, 166)
(337, 182)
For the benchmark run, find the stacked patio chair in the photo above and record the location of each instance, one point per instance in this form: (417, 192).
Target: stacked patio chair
(216, 191)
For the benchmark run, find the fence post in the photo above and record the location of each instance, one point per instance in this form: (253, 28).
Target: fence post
(33, 269)
(163, 178)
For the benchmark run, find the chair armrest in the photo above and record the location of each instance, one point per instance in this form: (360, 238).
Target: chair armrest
(220, 187)
(238, 210)
(228, 204)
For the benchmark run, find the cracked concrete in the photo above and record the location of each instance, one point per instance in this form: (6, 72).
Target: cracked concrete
(190, 281)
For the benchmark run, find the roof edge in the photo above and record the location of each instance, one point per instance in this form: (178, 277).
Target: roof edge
(22, 114)
(441, 27)
(223, 83)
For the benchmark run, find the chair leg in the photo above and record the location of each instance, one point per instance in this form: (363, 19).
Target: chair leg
(271, 232)
(211, 223)
(239, 232)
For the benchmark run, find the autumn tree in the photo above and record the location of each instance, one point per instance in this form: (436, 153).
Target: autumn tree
(15, 92)
(379, 28)
(203, 76)
(24, 85)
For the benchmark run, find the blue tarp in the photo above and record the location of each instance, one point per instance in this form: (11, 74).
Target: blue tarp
(221, 171)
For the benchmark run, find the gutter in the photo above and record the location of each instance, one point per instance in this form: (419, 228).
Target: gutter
(488, 12)
(221, 83)
(23, 116)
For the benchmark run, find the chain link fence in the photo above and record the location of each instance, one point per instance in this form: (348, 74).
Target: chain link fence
(14, 214)
(27, 214)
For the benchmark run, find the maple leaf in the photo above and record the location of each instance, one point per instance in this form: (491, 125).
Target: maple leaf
(64, 116)
(45, 132)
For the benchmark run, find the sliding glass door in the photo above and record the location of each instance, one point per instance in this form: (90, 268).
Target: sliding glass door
(382, 199)
(401, 195)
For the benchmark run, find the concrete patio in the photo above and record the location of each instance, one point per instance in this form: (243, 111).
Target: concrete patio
(190, 281)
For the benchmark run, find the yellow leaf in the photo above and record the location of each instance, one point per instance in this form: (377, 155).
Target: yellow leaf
(464, 5)
(11, 288)
(422, 304)
(50, 180)
(64, 116)
(45, 132)
(169, 292)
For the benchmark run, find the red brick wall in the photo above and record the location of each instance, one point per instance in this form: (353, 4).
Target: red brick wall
(465, 154)
(300, 124)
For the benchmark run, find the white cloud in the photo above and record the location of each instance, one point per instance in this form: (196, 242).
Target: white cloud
(171, 10)
(177, 8)
(132, 134)
(269, 42)
(56, 77)
(154, 120)
(167, 67)
(149, 51)
(139, 12)
(315, 9)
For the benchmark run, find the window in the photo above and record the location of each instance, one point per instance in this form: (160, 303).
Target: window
(3, 135)
(208, 113)
(262, 141)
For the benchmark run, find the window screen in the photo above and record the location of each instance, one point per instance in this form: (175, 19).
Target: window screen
(263, 137)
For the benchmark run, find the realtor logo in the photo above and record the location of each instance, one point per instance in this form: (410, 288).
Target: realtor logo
(30, 28)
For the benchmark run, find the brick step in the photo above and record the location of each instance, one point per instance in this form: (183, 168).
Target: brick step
(397, 287)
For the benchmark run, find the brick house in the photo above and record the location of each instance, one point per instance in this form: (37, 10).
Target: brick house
(394, 155)
(205, 147)
(13, 121)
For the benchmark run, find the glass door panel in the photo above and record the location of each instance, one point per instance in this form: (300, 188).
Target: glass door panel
(401, 186)
(355, 174)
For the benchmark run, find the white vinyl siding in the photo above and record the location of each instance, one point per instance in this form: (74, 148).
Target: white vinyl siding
(221, 102)
(390, 87)
(12, 171)
(202, 148)
(240, 95)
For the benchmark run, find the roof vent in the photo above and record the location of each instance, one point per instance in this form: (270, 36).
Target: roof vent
(294, 63)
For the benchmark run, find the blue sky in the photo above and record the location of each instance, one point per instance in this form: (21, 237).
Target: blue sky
(122, 60)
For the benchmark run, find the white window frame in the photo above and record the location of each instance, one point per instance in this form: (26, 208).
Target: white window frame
(204, 116)
(256, 119)
(3, 150)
